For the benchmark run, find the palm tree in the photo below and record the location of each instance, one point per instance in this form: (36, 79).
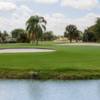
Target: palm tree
(35, 26)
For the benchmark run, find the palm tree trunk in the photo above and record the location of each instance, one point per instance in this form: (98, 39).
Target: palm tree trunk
(37, 39)
(33, 38)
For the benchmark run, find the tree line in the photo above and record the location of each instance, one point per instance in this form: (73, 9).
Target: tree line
(36, 31)
(91, 34)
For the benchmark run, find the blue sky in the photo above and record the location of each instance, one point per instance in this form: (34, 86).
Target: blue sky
(58, 13)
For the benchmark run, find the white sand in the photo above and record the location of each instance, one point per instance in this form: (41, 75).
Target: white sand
(24, 50)
(81, 44)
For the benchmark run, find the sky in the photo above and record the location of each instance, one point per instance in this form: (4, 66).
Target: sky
(58, 13)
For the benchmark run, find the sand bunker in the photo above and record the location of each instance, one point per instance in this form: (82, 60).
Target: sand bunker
(24, 50)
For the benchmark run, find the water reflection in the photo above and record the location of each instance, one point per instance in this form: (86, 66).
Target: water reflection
(49, 90)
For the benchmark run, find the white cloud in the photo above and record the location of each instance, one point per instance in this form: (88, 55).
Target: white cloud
(86, 21)
(58, 22)
(7, 6)
(46, 1)
(17, 18)
(80, 4)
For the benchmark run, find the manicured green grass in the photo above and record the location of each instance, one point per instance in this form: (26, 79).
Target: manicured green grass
(67, 62)
(25, 45)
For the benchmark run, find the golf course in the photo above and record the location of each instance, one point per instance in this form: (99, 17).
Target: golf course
(65, 62)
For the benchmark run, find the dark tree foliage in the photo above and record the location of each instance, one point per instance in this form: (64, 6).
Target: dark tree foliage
(48, 36)
(3, 36)
(71, 32)
(94, 30)
(89, 36)
(97, 29)
(20, 35)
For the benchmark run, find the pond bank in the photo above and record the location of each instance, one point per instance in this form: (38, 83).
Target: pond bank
(46, 75)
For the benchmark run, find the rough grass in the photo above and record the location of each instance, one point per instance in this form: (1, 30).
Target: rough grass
(67, 62)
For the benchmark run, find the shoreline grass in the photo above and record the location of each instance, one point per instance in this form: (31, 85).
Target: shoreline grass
(49, 75)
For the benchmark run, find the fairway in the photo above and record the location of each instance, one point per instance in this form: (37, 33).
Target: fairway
(66, 60)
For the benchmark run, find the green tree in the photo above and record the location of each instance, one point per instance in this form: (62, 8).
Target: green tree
(20, 35)
(89, 36)
(35, 26)
(3, 36)
(71, 32)
(16, 33)
(97, 29)
(93, 32)
(48, 36)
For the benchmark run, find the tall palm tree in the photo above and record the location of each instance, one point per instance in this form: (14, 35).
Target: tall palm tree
(35, 27)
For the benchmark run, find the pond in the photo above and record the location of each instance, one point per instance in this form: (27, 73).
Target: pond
(49, 90)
